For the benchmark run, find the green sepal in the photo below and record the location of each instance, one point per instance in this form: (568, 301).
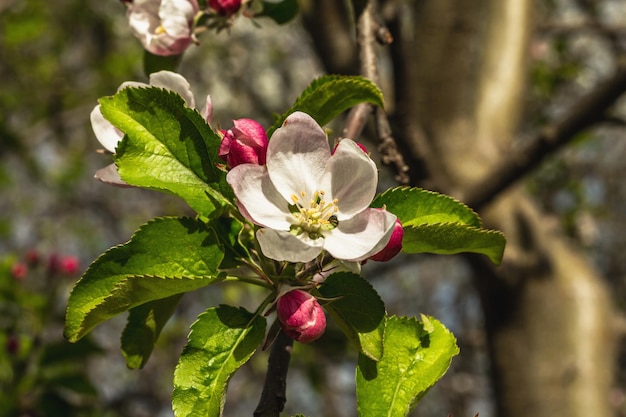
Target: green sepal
(358, 310)
(413, 361)
(220, 341)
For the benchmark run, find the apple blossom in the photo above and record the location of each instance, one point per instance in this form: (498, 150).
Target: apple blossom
(301, 316)
(393, 247)
(307, 200)
(245, 143)
(164, 27)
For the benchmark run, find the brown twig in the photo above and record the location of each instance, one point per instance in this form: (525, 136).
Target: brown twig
(274, 396)
(587, 111)
(370, 30)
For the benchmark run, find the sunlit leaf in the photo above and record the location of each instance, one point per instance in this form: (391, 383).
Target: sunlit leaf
(166, 256)
(358, 310)
(220, 341)
(330, 95)
(413, 361)
(167, 147)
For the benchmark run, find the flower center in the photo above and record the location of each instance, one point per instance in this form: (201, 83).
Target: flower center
(313, 217)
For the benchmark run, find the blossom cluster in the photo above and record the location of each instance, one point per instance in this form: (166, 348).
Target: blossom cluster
(306, 200)
(168, 27)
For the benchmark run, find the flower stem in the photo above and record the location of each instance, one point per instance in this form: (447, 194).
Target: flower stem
(273, 397)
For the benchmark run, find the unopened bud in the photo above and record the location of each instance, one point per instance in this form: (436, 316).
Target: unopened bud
(225, 7)
(393, 247)
(245, 143)
(301, 316)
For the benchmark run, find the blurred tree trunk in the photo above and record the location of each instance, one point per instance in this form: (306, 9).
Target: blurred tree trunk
(459, 76)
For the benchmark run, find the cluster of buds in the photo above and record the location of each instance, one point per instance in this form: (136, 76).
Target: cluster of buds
(66, 265)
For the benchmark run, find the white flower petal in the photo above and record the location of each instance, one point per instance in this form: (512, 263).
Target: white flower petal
(107, 134)
(174, 82)
(283, 246)
(297, 155)
(360, 237)
(256, 193)
(351, 178)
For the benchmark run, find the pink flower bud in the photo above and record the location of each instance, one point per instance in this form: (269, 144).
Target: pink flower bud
(393, 247)
(69, 265)
(19, 270)
(301, 316)
(245, 143)
(225, 7)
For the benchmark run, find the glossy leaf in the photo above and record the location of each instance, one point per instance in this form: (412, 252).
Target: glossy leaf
(451, 238)
(220, 341)
(143, 328)
(413, 361)
(358, 310)
(282, 12)
(166, 256)
(436, 223)
(330, 95)
(167, 147)
(415, 206)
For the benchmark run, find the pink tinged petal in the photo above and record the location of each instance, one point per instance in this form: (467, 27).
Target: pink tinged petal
(207, 110)
(109, 175)
(351, 178)
(245, 143)
(283, 246)
(252, 133)
(393, 247)
(362, 236)
(174, 82)
(177, 16)
(107, 134)
(297, 155)
(255, 192)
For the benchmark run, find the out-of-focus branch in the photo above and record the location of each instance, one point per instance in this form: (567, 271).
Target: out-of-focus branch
(587, 111)
(370, 31)
(273, 397)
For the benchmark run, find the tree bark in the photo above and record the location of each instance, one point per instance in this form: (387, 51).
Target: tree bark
(459, 78)
(548, 314)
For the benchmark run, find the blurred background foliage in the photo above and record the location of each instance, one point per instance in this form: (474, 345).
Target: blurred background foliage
(57, 58)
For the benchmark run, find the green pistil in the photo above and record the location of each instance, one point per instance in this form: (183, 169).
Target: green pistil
(314, 219)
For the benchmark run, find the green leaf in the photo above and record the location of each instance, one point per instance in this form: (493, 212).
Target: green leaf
(220, 341)
(167, 147)
(281, 12)
(450, 238)
(330, 95)
(143, 328)
(437, 223)
(414, 360)
(358, 310)
(415, 206)
(166, 256)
